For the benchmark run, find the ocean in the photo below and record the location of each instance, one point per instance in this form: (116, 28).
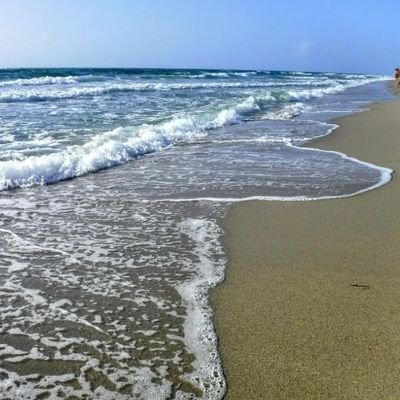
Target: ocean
(113, 186)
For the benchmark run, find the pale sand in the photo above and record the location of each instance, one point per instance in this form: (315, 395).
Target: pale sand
(290, 323)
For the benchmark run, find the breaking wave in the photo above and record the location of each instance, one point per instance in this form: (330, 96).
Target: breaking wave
(59, 93)
(122, 144)
(48, 80)
(115, 148)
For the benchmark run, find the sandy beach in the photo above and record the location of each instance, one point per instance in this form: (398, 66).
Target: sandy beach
(310, 308)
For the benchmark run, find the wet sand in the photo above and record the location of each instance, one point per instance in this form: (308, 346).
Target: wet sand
(310, 308)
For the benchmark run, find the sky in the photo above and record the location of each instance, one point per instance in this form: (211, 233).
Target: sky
(306, 35)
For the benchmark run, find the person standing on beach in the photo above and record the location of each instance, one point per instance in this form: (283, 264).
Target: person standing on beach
(397, 76)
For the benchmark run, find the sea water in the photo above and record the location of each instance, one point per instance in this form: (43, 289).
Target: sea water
(112, 186)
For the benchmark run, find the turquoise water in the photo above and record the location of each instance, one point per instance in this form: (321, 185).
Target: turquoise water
(57, 124)
(113, 183)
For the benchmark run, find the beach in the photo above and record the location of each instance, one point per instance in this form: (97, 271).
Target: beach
(111, 235)
(309, 308)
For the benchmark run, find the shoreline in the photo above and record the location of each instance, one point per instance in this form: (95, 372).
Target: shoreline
(308, 306)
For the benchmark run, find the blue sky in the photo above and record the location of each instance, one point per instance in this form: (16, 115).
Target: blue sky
(312, 35)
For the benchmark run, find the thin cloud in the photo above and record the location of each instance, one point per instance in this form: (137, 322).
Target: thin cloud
(43, 39)
(304, 49)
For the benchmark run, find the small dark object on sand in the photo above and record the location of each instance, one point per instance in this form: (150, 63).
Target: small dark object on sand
(360, 286)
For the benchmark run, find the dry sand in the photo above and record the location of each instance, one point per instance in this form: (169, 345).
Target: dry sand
(290, 322)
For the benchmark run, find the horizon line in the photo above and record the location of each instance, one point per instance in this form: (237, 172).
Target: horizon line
(195, 68)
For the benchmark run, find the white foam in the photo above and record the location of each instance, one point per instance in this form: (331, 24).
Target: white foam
(287, 112)
(43, 80)
(386, 174)
(114, 148)
(234, 115)
(43, 94)
(386, 177)
(200, 336)
(18, 266)
(15, 94)
(124, 144)
(301, 95)
(107, 150)
(18, 241)
(34, 354)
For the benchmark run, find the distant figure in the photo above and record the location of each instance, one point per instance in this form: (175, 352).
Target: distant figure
(397, 76)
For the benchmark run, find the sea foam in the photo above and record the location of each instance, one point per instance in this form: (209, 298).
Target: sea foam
(115, 148)
(113, 272)
(123, 144)
(38, 93)
(104, 151)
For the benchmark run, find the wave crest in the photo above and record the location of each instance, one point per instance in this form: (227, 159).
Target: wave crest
(43, 93)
